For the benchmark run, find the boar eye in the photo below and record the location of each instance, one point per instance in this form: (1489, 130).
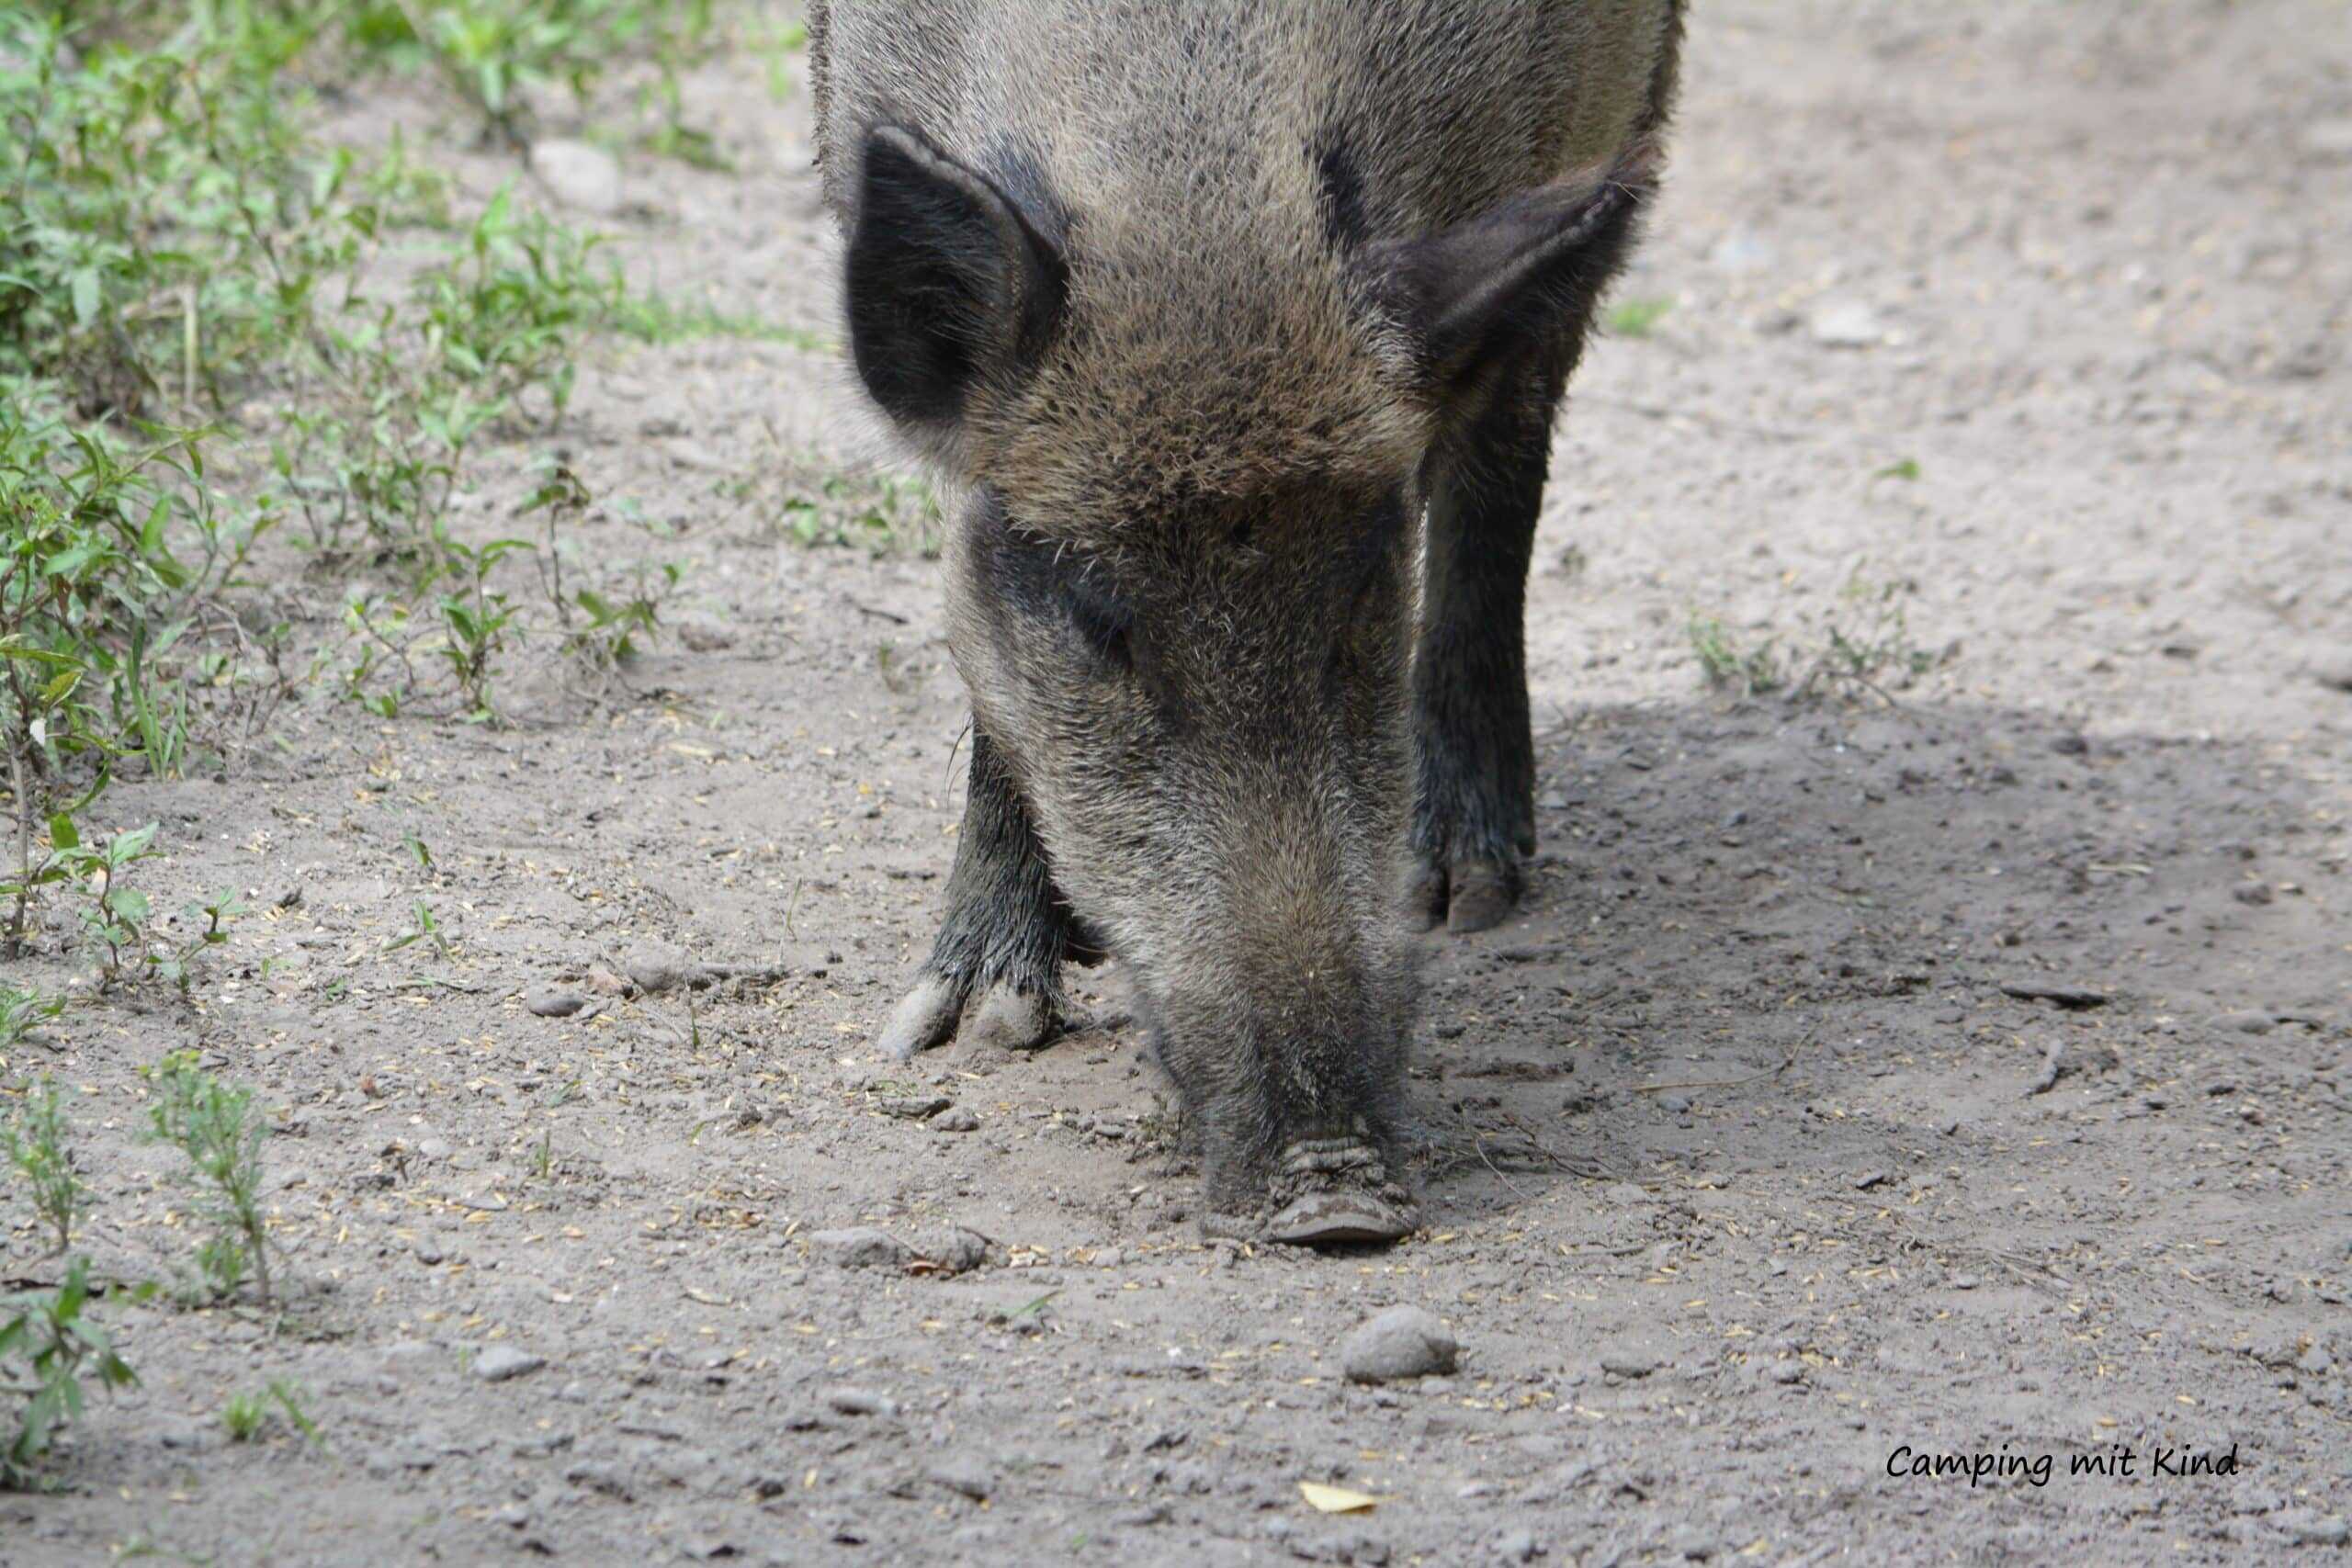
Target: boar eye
(1048, 581)
(1101, 625)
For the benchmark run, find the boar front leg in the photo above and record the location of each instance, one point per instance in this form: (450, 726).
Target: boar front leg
(994, 973)
(1475, 815)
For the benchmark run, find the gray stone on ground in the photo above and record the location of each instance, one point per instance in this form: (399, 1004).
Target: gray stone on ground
(965, 1475)
(1847, 324)
(845, 1401)
(577, 175)
(1402, 1342)
(859, 1247)
(2309, 1527)
(654, 969)
(553, 1001)
(503, 1361)
(954, 1251)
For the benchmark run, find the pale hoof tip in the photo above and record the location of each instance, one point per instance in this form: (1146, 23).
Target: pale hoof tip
(1341, 1219)
(1014, 1021)
(925, 1019)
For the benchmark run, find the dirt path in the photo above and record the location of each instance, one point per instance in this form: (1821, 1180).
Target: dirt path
(1748, 1171)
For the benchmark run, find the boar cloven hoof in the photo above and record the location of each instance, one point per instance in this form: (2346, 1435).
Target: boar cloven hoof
(1001, 1016)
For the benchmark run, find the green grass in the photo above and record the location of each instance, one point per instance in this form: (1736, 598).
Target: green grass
(47, 1344)
(882, 514)
(34, 1144)
(1636, 318)
(219, 1130)
(194, 354)
(1863, 645)
(1750, 670)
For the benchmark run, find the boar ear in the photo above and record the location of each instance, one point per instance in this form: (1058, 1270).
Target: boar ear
(948, 284)
(1471, 294)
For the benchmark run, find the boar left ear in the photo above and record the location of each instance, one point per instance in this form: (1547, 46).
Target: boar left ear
(1471, 294)
(948, 284)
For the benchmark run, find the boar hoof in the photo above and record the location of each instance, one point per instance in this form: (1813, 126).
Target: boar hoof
(1017, 1020)
(1481, 895)
(1339, 1216)
(1473, 896)
(927, 1017)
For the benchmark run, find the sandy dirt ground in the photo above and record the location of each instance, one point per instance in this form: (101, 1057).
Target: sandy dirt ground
(1751, 1174)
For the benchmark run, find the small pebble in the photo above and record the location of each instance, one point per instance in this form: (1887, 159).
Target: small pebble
(553, 1001)
(1402, 1342)
(2309, 1527)
(859, 1247)
(577, 175)
(1628, 1363)
(955, 1250)
(955, 1118)
(1848, 324)
(1517, 1546)
(847, 1401)
(967, 1477)
(501, 1363)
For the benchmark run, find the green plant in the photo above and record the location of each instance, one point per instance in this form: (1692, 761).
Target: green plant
(1874, 644)
(410, 386)
(34, 1142)
(496, 52)
(1636, 318)
(244, 1415)
(652, 316)
(883, 515)
(1753, 670)
(247, 1414)
(599, 630)
(1862, 643)
(426, 929)
(46, 1335)
(115, 647)
(476, 618)
(208, 916)
(115, 916)
(217, 1126)
(21, 1009)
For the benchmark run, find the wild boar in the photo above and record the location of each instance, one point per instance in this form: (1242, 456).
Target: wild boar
(1240, 327)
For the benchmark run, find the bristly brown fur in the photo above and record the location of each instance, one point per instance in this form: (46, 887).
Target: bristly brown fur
(1216, 344)
(1241, 322)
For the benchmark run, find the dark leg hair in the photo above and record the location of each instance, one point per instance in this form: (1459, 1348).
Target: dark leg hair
(1476, 813)
(995, 970)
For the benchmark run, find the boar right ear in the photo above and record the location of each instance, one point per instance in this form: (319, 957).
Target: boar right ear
(1471, 294)
(948, 283)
